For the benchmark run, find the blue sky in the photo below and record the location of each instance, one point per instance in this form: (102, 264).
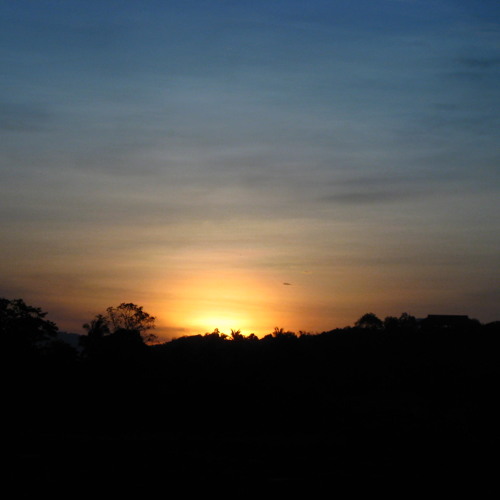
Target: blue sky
(194, 156)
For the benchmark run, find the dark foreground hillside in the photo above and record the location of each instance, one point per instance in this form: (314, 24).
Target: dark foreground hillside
(358, 410)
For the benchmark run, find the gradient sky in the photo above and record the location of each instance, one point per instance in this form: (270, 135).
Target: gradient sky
(239, 164)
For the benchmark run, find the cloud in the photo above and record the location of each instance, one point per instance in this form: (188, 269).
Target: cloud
(381, 189)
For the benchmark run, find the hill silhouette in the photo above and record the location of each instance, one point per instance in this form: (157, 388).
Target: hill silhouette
(395, 404)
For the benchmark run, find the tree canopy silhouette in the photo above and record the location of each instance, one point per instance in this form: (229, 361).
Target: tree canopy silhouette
(23, 326)
(370, 321)
(125, 317)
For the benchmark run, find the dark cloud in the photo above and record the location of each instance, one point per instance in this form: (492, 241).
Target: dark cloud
(373, 189)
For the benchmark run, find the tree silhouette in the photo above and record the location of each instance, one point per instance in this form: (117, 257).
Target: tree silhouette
(129, 316)
(98, 327)
(125, 317)
(23, 326)
(282, 333)
(236, 335)
(391, 323)
(369, 321)
(216, 335)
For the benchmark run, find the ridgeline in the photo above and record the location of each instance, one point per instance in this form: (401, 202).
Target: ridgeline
(397, 404)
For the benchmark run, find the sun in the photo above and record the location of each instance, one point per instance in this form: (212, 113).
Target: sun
(224, 322)
(223, 299)
(222, 290)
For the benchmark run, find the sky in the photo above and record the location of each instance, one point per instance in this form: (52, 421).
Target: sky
(245, 165)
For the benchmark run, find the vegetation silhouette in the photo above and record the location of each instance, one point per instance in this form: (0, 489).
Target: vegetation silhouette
(383, 403)
(23, 327)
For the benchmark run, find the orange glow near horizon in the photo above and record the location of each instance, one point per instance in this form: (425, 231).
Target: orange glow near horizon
(227, 290)
(221, 299)
(222, 289)
(222, 321)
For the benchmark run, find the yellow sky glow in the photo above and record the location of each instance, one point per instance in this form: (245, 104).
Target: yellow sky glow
(221, 298)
